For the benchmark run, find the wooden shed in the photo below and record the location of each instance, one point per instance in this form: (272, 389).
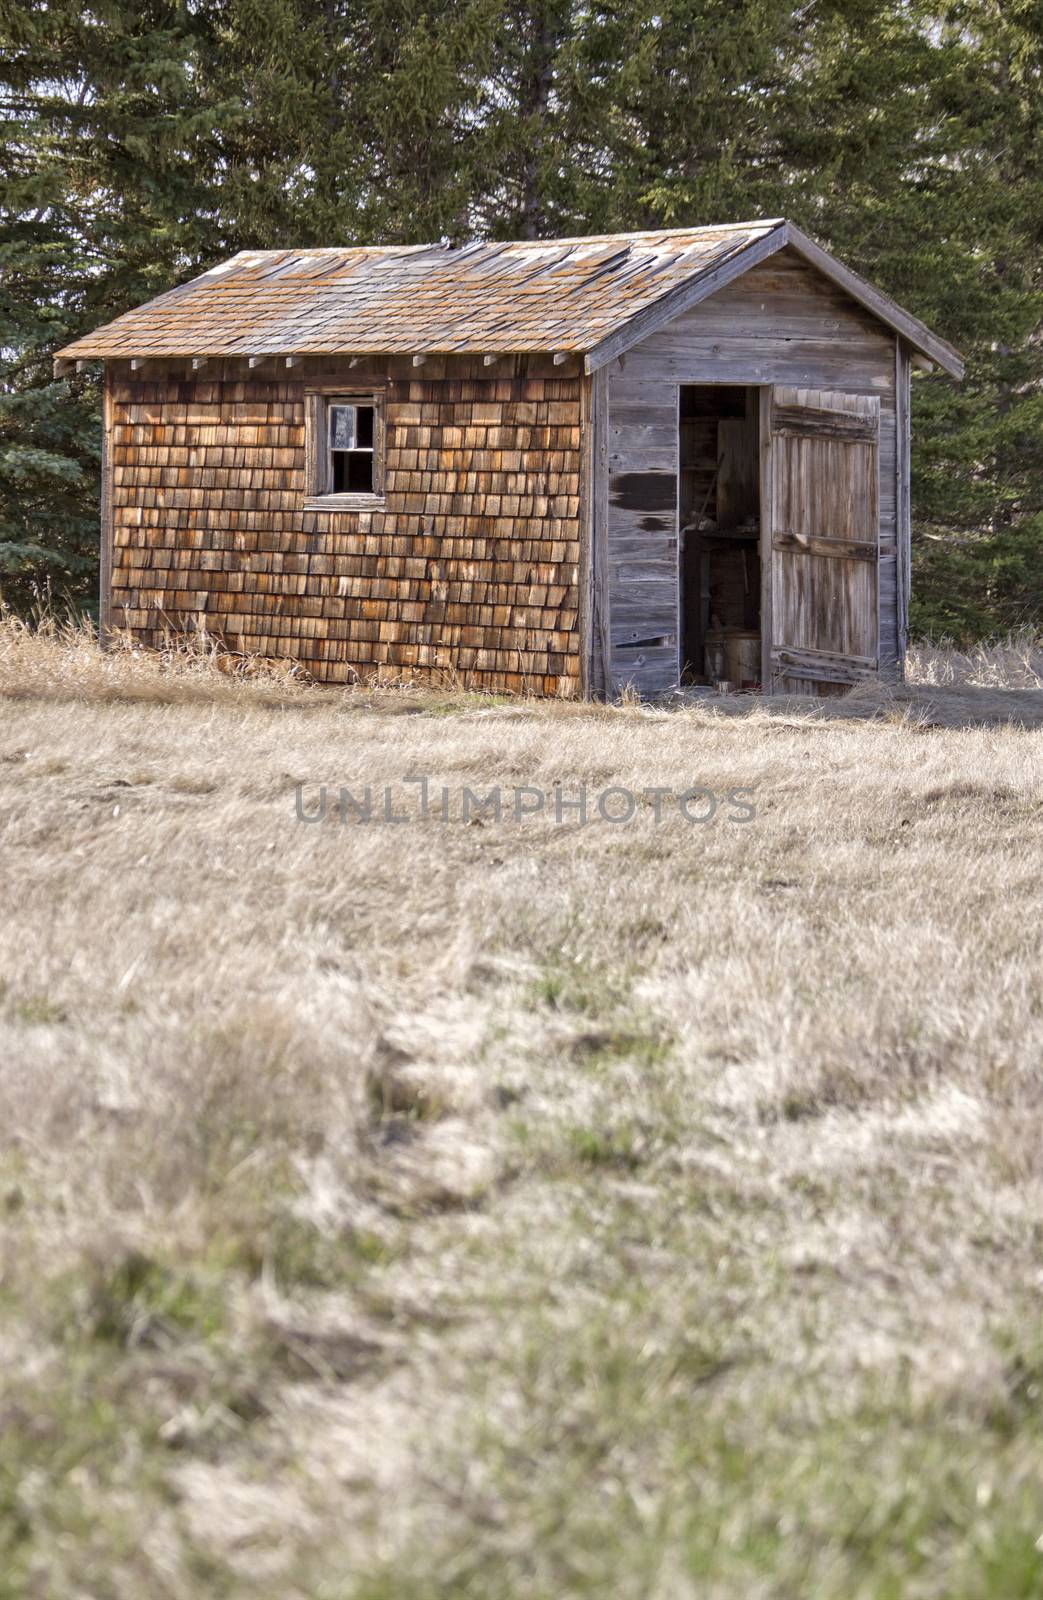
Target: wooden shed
(562, 466)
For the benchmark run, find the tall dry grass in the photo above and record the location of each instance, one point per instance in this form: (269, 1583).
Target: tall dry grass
(55, 654)
(1014, 661)
(514, 1209)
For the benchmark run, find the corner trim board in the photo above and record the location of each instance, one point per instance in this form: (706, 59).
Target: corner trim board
(903, 501)
(105, 547)
(601, 617)
(585, 629)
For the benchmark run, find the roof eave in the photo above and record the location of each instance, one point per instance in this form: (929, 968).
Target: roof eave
(75, 355)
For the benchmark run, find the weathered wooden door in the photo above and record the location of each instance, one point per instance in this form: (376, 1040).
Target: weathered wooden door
(821, 509)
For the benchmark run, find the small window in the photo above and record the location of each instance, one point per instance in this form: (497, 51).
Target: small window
(346, 434)
(352, 433)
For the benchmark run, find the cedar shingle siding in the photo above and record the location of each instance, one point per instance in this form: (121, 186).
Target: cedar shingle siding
(470, 567)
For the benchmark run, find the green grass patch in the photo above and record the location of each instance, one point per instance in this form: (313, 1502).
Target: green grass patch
(75, 1446)
(623, 1147)
(37, 1011)
(461, 701)
(572, 985)
(134, 1299)
(297, 1254)
(601, 1047)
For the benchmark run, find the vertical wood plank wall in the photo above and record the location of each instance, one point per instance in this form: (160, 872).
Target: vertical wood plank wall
(471, 565)
(780, 323)
(643, 598)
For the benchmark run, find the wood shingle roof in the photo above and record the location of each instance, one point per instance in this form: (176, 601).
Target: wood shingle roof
(591, 296)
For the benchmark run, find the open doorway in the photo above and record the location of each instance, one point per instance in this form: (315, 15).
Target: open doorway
(720, 622)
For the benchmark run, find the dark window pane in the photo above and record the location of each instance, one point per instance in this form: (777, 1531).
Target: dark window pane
(364, 423)
(352, 472)
(360, 471)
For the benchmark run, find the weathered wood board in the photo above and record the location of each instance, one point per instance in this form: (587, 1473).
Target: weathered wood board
(822, 524)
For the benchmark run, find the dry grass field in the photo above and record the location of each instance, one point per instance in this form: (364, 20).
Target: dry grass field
(522, 1209)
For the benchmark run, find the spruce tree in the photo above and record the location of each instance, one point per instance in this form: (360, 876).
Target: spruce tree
(978, 486)
(104, 157)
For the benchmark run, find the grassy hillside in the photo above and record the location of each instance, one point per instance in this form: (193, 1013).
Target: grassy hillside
(517, 1209)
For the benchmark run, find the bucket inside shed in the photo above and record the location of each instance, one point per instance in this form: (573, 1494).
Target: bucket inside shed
(720, 519)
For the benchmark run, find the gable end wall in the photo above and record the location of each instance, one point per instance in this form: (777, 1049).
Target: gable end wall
(782, 322)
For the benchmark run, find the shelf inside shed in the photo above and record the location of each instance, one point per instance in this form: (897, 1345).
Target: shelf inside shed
(720, 521)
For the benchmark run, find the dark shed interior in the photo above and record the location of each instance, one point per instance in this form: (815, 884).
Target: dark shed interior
(720, 532)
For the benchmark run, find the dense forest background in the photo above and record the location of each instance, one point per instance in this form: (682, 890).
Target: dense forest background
(141, 141)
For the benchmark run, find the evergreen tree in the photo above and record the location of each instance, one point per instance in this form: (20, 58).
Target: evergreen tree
(103, 202)
(544, 167)
(978, 482)
(357, 120)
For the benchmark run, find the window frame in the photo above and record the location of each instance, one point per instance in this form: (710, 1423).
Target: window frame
(320, 497)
